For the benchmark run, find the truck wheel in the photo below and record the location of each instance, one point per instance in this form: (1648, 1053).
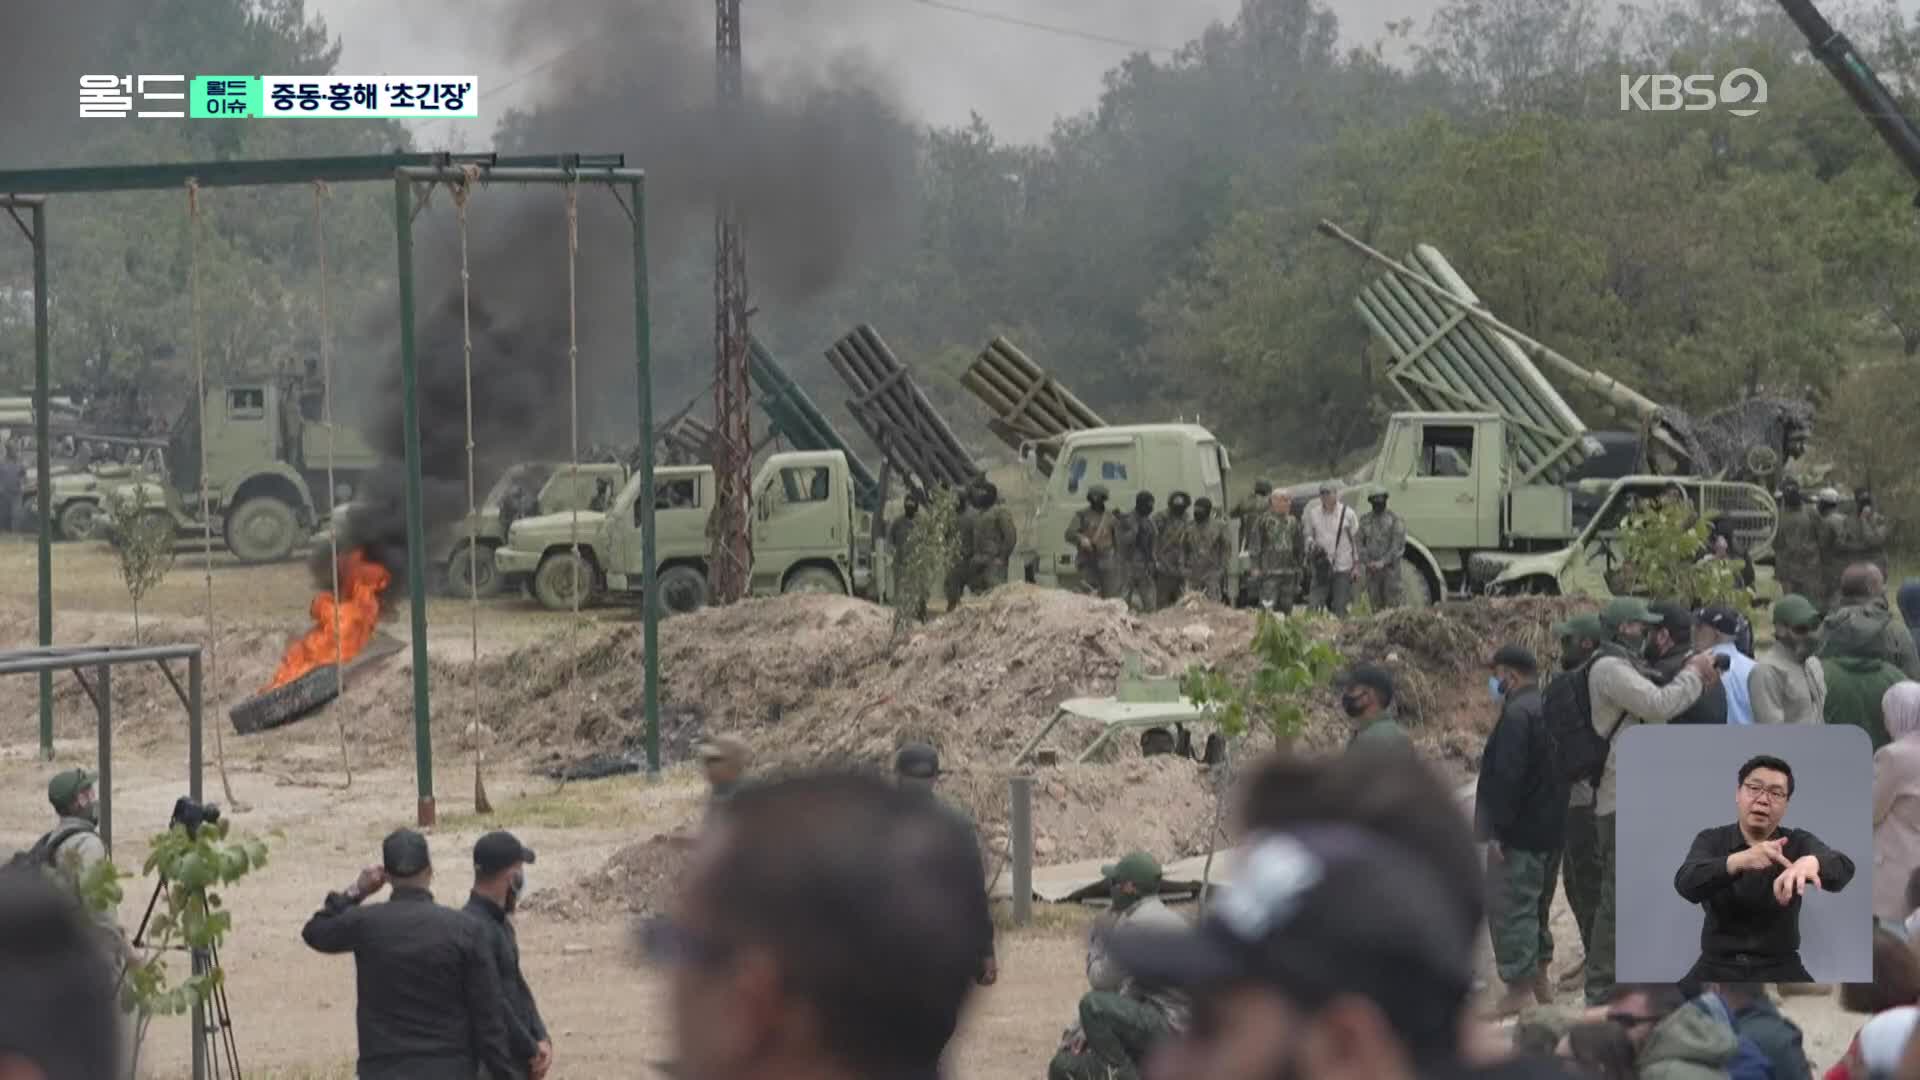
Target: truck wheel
(78, 520)
(554, 582)
(682, 589)
(486, 579)
(1415, 591)
(261, 530)
(813, 579)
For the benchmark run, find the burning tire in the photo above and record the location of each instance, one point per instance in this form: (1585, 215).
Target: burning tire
(283, 705)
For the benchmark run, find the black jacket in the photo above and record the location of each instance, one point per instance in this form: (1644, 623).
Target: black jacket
(1743, 918)
(1711, 708)
(1520, 800)
(525, 1029)
(430, 1003)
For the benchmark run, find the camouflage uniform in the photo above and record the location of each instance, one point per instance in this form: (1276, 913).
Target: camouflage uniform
(964, 523)
(899, 549)
(1133, 537)
(1864, 540)
(1520, 912)
(1208, 556)
(1098, 561)
(1833, 556)
(1796, 551)
(994, 538)
(1382, 539)
(1276, 549)
(1170, 540)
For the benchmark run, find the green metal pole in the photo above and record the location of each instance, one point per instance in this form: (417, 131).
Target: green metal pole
(43, 464)
(643, 361)
(416, 553)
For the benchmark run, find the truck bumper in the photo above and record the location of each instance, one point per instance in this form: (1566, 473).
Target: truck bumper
(509, 561)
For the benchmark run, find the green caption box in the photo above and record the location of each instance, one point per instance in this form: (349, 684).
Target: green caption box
(227, 97)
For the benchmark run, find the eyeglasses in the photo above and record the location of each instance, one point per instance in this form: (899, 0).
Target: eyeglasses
(1753, 790)
(667, 943)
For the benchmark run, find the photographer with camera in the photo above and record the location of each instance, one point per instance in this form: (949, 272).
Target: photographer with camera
(430, 1004)
(499, 877)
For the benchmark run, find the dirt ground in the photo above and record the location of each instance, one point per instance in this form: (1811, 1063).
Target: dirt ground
(806, 679)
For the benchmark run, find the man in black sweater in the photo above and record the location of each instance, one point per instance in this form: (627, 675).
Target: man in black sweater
(1669, 647)
(1520, 813)
(429, 1002)
(499, 877)
(1750, 877)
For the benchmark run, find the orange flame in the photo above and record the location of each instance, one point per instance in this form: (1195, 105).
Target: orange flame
(362, 580)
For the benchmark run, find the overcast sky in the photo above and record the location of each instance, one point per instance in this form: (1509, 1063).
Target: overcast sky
(945, 63)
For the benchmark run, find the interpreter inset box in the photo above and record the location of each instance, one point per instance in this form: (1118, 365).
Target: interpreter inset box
(1744, 854)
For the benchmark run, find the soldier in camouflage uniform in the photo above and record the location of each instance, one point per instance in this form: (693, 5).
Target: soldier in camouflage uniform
(965, 518)
(1092, 534)
(1277, 551)
(1170, 549)
(899, 549)
(1382, 541)
(1208, 552)
(1121, 1017)
(1833, 548)
(1865, 539)
(1133, 537)
(1796, 544)
(989, 542)
(1252, 506)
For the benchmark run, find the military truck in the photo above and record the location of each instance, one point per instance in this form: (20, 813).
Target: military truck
(808, 536)
(555, 487)
(267, 452)
(1160, 458)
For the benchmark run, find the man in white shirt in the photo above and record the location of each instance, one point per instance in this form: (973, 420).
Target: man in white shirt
(1714, 631)
(1331, 528)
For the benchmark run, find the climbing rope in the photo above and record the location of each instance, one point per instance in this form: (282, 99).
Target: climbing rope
(333, 488)
(195, 226)
(470, 173)
(573, 423)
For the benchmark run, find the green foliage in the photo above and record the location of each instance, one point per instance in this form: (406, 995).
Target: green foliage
(1661, 544)
(143, 541)
(1292, 664)
(935, 548)
(190, 916)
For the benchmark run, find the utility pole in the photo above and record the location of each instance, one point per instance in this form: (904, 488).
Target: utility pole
(732, 554)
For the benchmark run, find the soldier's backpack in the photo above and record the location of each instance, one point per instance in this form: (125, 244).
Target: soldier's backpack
(1578, 752)
(41, 855)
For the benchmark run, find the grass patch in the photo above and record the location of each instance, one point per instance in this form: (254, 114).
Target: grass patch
(1047, 918)
(614, 803)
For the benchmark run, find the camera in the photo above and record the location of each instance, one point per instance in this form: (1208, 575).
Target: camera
(190, 815)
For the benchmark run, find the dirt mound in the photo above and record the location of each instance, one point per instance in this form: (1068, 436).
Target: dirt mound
(638, 879)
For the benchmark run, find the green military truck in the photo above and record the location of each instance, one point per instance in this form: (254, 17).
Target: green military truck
(267, 453)
(1160, 458)
(554, 488)
(808, 536)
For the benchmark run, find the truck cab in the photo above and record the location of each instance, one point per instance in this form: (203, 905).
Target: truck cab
(1160, 458)
(808, 533)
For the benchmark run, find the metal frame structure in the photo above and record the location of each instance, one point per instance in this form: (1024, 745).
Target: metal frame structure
(406, 171)
(45, 661)
(732, 556)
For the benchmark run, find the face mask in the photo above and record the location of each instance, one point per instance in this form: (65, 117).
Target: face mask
(1572, 656)
(1633, 643)
(983, 502)
(1652, 651)
(1123, 901)
(1177, 509)
(1203, 516)
(1496, 689)
(1097, 502)
(1354, 706)
(912, 509)
(1795, 500)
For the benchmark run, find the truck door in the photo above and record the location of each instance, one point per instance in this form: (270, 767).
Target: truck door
(1434, 479)
(679, 521)
(242, 430)
(795, 516)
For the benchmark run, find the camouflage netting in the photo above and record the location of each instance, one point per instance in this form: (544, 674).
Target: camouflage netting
(1745, 441)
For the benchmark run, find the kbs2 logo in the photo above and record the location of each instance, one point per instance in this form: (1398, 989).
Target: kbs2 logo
(1739, 91)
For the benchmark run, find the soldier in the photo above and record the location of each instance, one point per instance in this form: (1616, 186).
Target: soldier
(1170, 549)
(899, 549)
(1276, 552)
(13, 480)
(1383, 540)
(725, 760)
(1796, 543)
(965, 518)
(1833, 547)
(1121, 1018)
(994, 539)
(73, 847)
(1133, 537)
(1253, 505)
(1208, 552)
(1092, 534)
(1866, 535)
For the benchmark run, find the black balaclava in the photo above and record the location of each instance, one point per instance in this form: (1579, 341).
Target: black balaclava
(1097, 500)
(1143, 504)
(1202, 510)
(1791, 494)
(1573, 653)
(1177, 504)
(985, 496)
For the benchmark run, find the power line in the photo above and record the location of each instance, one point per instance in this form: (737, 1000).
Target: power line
(1063, 31)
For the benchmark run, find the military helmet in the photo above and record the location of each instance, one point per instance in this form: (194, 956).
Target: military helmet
(1378, 498)
(1263, 487)
(1097, 491)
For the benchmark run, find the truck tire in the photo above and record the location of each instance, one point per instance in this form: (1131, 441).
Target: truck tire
(683, 589)
(1415, 590)
(283, 705)
(261, 530)
(486, 579)
(553, 583)
(813, 579)
(79, 520)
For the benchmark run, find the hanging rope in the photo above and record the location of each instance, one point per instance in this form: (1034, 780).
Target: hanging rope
(194, 229)
(573, 424)
(460, 193)
(320, 194)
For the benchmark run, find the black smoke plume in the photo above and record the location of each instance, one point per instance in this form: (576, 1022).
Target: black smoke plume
(818, 163)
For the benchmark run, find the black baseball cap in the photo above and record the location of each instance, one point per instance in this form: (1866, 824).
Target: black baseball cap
(1518, 657)
(498, 850)
(1318, 912)
(404, 853)
(917, 760)
(1376, 678)
(1724, 619)
(1673, 617)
